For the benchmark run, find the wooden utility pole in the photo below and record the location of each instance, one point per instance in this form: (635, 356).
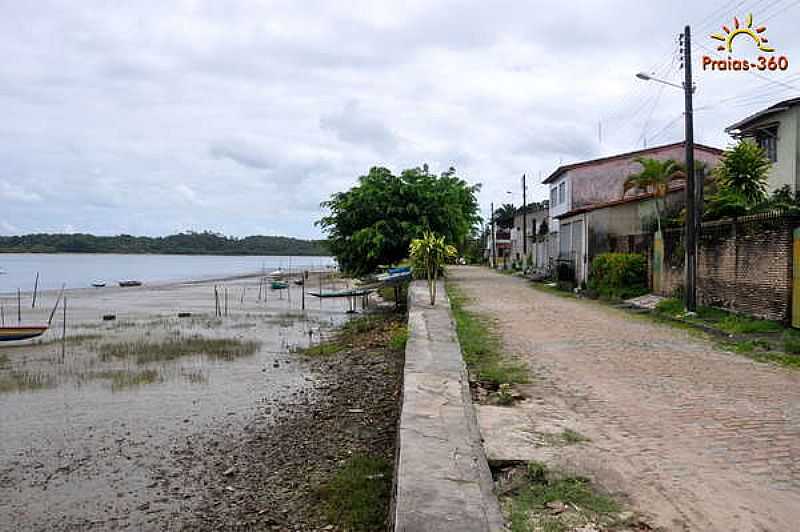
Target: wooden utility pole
(691, 207)
(494, 238)
(524, 221)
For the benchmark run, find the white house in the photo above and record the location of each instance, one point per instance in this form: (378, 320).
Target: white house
(777, 130)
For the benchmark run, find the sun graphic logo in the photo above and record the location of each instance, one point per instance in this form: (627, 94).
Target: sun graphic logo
(757, 36)
(738, 30)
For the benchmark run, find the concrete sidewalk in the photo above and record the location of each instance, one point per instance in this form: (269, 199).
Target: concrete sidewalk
(443, 480)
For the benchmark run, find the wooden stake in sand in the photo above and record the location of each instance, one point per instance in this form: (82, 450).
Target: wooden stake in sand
(241, 301)
(303, 289)
(35, 290)
(226, 301)
(19, 306)
(64, 333)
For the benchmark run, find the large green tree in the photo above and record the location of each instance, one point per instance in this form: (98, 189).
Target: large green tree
(374, 222)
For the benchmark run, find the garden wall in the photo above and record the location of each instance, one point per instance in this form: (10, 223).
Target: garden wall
(743, 265)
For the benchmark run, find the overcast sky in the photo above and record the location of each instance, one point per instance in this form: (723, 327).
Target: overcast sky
(240, 117)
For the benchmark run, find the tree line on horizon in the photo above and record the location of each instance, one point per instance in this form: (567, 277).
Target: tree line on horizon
(189, 243)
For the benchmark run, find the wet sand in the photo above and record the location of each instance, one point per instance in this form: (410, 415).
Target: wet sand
(100, 441)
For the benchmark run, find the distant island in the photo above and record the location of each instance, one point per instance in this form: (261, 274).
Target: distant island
(190, 243)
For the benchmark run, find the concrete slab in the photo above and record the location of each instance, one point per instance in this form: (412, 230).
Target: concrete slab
(443, 479)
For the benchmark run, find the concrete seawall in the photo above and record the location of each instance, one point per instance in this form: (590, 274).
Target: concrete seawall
(443, 482)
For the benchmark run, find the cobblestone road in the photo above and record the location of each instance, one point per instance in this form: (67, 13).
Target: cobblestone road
(697, 438)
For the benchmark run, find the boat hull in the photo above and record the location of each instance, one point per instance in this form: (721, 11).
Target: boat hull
(343, 293)
(22, 332)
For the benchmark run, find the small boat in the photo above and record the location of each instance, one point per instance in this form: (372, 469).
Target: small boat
(279, 285)
(13, 333)
(299, 282)
(343, 293)
(129, 282)
(21, 332)
(98, 284)
(394, 278)
(403, 269)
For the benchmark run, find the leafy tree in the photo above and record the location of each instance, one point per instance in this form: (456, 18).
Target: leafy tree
(740, 181)
(654, 177)
(374, 222)
(429, 255)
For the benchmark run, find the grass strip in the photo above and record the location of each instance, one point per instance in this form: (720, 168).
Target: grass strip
(357, 498)
(480, 346)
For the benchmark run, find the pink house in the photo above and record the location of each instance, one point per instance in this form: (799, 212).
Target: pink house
(581, 187)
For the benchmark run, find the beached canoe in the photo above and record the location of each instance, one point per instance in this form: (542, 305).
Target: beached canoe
(279, 285)
(98, 284)
(130, 282)
(21, 332)
(343, 293)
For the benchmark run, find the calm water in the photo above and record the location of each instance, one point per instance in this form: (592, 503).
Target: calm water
(79, 270)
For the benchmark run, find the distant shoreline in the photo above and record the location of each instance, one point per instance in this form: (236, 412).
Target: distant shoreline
(206, 243)
(187, 254)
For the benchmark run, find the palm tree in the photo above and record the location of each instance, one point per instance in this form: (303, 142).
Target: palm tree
(655, 177)
(504, 216)
(429, 255)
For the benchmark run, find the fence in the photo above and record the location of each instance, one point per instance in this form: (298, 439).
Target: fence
(743, 264)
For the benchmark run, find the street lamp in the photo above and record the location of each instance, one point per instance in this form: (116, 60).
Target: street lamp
(690, 295)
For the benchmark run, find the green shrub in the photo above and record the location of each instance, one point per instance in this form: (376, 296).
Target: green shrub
(619, 275)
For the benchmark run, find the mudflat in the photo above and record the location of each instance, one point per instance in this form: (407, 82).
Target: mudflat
(139, 422)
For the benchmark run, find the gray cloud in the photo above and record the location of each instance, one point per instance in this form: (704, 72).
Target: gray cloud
(240, 117)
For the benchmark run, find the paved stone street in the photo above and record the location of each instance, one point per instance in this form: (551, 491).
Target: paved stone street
(697, 438)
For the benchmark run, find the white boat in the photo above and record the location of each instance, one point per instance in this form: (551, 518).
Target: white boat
(98, 284)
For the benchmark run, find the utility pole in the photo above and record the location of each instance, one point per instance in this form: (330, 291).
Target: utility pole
(691, 209)
(524, 222)
(494, 239)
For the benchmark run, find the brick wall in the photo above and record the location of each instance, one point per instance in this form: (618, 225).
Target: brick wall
(743, 265)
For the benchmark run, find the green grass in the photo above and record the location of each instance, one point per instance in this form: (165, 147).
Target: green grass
(357, 498)
(781, 359)
(735, 324)
(399, 338)
(4, 361)
(482, 349)
(22, 381)
(528, 509)
(122, 379)
(570, 436)
(359, 330)
(791, 342)
(144, 351)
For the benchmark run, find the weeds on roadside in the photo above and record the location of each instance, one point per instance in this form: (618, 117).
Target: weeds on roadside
(548, 501)
(482, 349)
(357, 498)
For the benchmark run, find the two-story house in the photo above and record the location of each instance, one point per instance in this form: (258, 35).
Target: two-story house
(573, 187)
(777, 130)
(535, 215)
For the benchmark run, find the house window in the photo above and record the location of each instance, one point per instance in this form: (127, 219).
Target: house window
(564, 240)
(562, 189)
(554, 196)
(768, 140)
